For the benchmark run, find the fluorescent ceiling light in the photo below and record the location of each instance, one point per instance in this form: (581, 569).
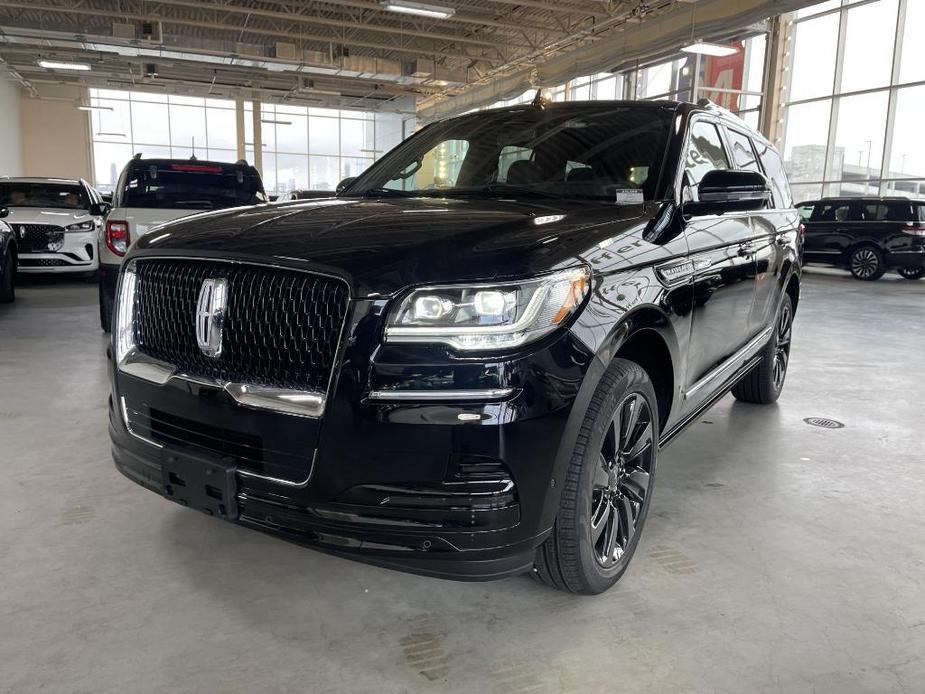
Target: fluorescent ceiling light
(418, 8)
(56, 65)
(94, 108)
(276, 122)
(710, 49)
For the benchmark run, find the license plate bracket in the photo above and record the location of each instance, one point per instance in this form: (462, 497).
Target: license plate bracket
(206, 485)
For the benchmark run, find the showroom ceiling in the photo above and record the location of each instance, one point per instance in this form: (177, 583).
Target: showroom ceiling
(356, 53)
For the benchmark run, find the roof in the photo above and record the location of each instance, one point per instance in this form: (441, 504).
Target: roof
(38, 179)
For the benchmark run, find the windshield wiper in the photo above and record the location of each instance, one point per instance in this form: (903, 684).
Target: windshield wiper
(509, 189)
(384, 193)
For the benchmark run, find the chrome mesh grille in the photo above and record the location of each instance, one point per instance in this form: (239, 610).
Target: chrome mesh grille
(281, 330)
(39, 238)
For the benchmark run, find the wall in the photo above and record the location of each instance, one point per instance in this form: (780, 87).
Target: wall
(55, 135)
(10, 130)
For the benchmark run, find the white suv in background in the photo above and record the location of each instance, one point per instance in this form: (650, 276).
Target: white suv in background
(56, 222)
(150, 192)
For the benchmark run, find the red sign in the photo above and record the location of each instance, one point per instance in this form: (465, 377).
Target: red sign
(724, 72)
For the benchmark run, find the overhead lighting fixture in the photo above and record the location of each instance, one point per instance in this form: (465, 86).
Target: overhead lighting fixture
(714, 49)
(94, 108)
(57, 65)
(418, 8)
(276, 122)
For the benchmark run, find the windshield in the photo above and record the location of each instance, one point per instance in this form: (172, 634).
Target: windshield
(191, 187)
(62, 196)
(607, 152)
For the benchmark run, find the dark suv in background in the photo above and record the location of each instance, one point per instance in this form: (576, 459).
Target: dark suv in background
(868, 236)
(465, 364)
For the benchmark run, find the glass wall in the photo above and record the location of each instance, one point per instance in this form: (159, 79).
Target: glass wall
(303, 147)
(157, 125)
(734, 82)
(854, 99)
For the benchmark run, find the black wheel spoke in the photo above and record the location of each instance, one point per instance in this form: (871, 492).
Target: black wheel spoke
(626, 514)
(610, 535)
(636, 484)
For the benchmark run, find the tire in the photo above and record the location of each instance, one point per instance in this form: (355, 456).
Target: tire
(763, 384)
(911, 273)
(105, 311)
(866, 263)
(605, 495)
(8, 280)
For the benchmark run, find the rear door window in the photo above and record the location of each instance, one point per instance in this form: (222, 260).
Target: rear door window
(742, 152)
(837, 211)
(774, 170)
(191, 186)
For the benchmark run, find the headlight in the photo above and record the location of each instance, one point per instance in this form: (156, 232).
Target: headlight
(123, 330)
(81, 226)
(488, 316)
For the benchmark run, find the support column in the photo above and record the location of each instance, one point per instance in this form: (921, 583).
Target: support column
(258, 137)
(239, 125)
(776, 57)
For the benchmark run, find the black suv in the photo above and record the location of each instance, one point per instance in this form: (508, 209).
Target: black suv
(868, 236)
(466, 363)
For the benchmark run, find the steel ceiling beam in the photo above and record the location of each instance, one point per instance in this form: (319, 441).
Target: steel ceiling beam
(415, 50)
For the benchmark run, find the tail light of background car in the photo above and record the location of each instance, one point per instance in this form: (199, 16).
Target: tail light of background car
(117, 237)
(915, 228)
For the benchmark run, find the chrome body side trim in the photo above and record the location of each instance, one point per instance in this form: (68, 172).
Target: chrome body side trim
(750, 348)
(467, 395)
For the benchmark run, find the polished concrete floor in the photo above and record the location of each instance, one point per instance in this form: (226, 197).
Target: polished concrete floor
(779, 557)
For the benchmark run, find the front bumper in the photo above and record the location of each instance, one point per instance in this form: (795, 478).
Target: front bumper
(78, 254)
(463, 489)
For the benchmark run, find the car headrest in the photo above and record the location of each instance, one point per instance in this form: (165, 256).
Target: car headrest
(524, 172)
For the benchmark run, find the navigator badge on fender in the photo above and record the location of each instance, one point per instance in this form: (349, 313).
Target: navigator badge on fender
(210, 315)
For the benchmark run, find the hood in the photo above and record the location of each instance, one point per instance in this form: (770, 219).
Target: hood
(383, 245)
(38, 215)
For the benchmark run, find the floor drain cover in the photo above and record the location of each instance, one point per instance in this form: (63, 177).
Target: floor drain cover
(824, 422)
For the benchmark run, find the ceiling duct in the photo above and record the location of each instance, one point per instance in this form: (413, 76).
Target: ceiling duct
(123, 31)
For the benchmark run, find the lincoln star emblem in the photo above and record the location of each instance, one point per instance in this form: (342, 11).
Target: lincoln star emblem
(210, 315)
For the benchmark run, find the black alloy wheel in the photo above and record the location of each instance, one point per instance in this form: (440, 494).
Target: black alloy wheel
(782, 349)
(764, 383)
(607, 486)
(912, 273)
(866, 263)
(622, 480)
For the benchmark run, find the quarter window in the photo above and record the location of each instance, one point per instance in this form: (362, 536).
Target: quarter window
(705, 153)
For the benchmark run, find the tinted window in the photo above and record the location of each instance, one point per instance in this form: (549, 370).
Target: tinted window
(596, 152)
(54, 195)
(774, 169)
(742, 152)
(705, 153)
(835, 211)
(889, 211)
(188, 186)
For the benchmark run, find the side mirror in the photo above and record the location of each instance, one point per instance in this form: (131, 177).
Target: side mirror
(4, 212)
(100, 209)
(729, 191)
(343, 185)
